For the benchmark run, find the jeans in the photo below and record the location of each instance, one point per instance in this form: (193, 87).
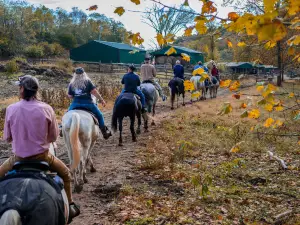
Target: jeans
(92, 108)
(140, 94)
(55, 165)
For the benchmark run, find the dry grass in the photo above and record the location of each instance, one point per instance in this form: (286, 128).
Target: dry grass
(205, 182)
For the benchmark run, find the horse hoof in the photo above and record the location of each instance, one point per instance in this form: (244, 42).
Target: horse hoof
(134, 139)
(153, 123)
(121, 144)
(93, 170)
(138, 131)
(172, 108)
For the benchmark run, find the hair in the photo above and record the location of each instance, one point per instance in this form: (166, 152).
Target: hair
(178, 62)
(79, 80)
(28, 95)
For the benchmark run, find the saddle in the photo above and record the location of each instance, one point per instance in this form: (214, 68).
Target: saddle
(31, 165)
(92, 114)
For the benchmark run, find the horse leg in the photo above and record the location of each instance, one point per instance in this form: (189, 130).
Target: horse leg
(177, 100)
(139, 117)
(132, 120)
(92, 167)
(183, 96)
(120, 129)
(172, 101)
(153, 114)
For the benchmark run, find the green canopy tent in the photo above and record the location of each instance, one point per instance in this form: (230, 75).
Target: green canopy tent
(195, 55)
(107, 52)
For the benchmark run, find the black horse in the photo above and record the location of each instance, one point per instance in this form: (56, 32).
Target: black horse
(127, 105)
(177, 88)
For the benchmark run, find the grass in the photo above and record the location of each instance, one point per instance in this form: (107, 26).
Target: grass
(192, 151)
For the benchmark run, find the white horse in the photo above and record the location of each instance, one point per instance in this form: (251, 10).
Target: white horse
(80, 134)
(12, 217)
(213, 87)
(199, 86)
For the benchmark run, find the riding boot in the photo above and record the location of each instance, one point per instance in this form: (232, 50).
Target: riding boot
(105, 132)
(74, 211)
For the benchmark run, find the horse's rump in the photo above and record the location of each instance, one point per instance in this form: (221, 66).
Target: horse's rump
(125, 104)
(177, 85)
(35, 198)
(149, 91)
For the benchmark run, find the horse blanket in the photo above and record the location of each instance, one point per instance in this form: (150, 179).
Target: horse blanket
(35, 196)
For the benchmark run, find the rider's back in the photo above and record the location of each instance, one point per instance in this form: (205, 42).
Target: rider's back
(31, 126)
(148, 72)
(131, 82)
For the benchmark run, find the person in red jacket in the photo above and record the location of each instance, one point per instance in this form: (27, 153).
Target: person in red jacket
(215, 72)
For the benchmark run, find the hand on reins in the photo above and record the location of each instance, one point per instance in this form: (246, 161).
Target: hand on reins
(103, 103)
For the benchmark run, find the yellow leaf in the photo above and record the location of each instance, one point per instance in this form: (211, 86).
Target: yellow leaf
(160, 39)
(198, 71)
(196, 94)
(204, 76)
(260, 88)
(252, 128)
(229, 43)
(241, 44)
(208, 7)
(254, 114)
(291, 51)
(294, 7)
(269, 107)
(226, 109)
(186, 57)
(136, 39)
(269, 5)
(188, 31)
(278, 123)
(269, 122)
(188, 85)
(225, 83)
(274, 31)
(244, 114)
(137, 2)
(270, 44)
(236, 96)
(200, 27)
(171, 51)
(233, 16)
(237, 147)
(234, 86)
(279, 108)
(292, 95)
(120, 11)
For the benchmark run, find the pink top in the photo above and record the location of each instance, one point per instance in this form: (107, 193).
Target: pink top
(31, 126)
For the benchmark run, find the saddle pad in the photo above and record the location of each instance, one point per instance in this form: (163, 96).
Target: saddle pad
(92, 114)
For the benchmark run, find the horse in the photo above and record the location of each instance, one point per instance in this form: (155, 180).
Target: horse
(213, 87)
(151, 96)
(80, 133)
(199, 86)
(127, 105)
(39, 193)
(176, 86)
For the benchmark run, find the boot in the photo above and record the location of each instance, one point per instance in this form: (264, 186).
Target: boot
(105, 132)
(74, 211)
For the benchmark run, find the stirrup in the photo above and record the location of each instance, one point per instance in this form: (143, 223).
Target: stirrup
(73, 208)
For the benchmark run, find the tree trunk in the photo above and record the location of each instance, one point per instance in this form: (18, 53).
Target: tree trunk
(279, 61)
(212, 48)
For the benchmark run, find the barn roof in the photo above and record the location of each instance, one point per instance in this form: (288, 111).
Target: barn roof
(122, 46)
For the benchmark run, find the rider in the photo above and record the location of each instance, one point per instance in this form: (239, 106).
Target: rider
(178, 70)
(131, 82)
(200, 65)
(30, 125)
(148, 73)
(81, 90)
(215, 72)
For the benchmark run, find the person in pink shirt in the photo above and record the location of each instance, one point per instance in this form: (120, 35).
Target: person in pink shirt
(30, 125)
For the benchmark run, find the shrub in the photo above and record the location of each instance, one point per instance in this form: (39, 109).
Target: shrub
(65, 64)
(58, 49)
(34, 51)
(12, 67)
(20, 59)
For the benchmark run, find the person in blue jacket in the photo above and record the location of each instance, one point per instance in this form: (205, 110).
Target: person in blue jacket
(178, 70)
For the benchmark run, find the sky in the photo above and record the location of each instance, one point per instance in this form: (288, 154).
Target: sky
(131, 20)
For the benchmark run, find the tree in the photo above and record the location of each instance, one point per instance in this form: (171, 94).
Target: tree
(167, 20)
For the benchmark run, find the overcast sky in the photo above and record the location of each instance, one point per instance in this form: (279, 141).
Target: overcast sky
(132, 21)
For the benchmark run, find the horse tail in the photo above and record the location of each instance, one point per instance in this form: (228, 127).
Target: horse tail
(11, 217)
(114, 121)
(74, 140)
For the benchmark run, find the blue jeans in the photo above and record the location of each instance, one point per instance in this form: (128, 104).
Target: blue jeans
(91, 107)
(140, 94)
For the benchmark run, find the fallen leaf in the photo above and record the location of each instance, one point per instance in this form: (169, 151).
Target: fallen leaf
(119, 10)
(269, 122)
